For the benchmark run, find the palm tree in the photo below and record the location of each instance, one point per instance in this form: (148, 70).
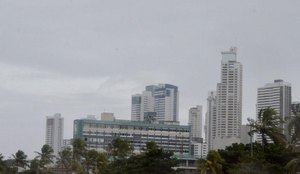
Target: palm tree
(20, 159)
(79, 153)
(293, 166)
(293, 125)
(45, 158)
(96, 162)
(268, 125)
(212, 164)
(204, 166)
(79, 149)
(2, 164)
(65, 159)
(101, 163)
(120, 149)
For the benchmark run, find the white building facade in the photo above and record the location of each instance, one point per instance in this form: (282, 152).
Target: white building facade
(195, 121)
(54, 132)
(211, 119)
(199, 150)
(163, 99)
(229, 101)
(277, 96)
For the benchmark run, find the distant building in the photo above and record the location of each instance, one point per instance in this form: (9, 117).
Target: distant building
(98, 134)
(296, 107)
(67, 143)
(187, 164)
(162, 99)
(136, 104)
(211, 119)
(229, 101)
(195, 121)
(277, 96)
(199, 150)
(106, 116)
(54, 132)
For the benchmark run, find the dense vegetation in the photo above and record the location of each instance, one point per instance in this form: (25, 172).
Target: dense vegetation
(120, 159)
(275, 155)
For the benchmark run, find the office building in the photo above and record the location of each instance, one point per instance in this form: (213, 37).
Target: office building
(211, 119)
(161, 99)
(199, 150)
(54, 132)
(136, 103)
(98, 134)
(277, 96)
(195, 121)
(107, 116)
(229, 101)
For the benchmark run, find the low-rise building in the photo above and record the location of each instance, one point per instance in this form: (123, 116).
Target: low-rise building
(98, 134)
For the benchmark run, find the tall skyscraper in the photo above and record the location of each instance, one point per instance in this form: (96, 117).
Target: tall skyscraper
(141, 104)
(136, 104)
(166, 102)
(195, 121)
(229, 101)
(54, 132)
(161, 99)
(211, 119)
(277, 96)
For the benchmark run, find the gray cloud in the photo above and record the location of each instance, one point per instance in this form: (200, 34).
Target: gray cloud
(84, 57)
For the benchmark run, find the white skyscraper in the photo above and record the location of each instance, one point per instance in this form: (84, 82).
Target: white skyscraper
(54, 132)
(277, 96)
(195, 121)
(211, 119)
(229, 101)
(141, 104)
(161, 99)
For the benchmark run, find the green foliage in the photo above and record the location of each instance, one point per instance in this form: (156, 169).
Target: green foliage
(212, 164)
(20, 159)
(79, 149)
(152, 161)
(96, 162)
(44, 159)
(65, 159)
(268, 125)
(293, 125)
(293, 166)
(120, 149)
(35, 166)
(269, 158)
(2, 164)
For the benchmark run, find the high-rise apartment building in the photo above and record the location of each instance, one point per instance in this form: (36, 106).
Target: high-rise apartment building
(195, 121)
(54, 132)
(136, 103)
(277, 96)
(161, 99)
(229, 101)
(211, 119)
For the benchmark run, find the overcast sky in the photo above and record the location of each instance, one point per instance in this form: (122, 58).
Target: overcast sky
(79, 57)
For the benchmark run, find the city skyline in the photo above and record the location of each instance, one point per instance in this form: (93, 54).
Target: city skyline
(80, 58)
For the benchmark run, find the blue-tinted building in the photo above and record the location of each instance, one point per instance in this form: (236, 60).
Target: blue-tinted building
(98, 134)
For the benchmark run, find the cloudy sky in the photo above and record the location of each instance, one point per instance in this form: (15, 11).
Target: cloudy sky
(84, 57)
